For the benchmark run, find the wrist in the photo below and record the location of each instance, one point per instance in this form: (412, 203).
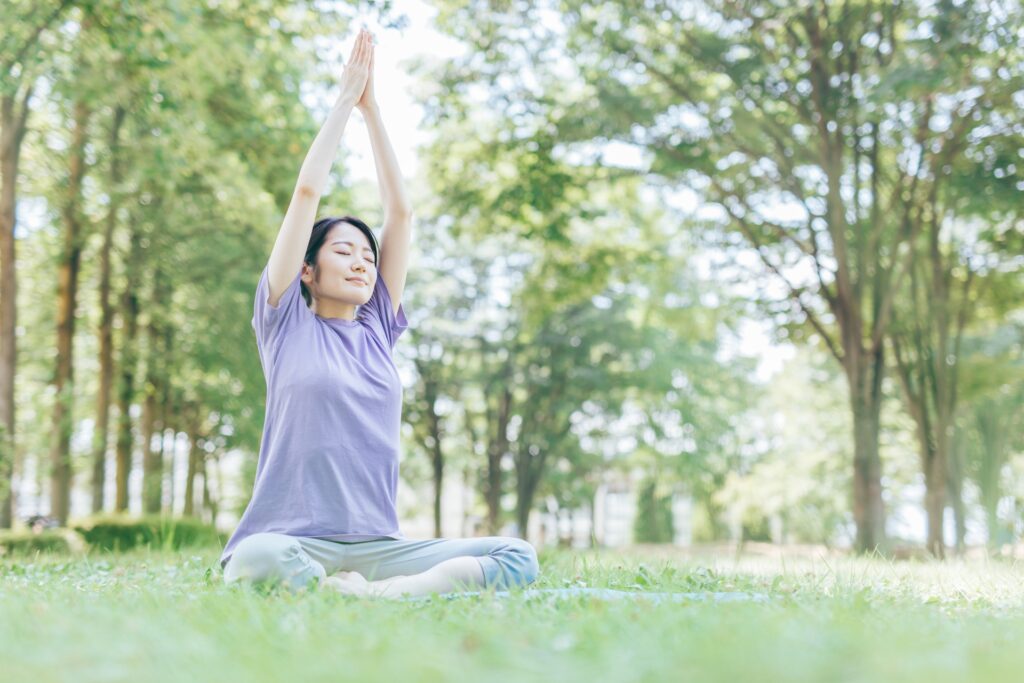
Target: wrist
(345, 102)
(371, 108)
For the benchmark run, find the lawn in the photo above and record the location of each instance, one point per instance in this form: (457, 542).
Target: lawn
(164, 616)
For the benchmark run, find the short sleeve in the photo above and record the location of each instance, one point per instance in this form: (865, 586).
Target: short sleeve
(380, 316)
(272, 323)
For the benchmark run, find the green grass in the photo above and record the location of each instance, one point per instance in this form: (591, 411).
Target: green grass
(165, 616)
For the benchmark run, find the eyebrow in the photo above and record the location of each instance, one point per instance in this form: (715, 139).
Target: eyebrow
(348, 243)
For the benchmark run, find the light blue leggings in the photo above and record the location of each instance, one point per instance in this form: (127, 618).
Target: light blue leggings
(297, 562)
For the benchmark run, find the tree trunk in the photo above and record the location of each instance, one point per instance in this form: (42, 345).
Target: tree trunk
(522, 514)
(918, 397)
(438, 467)
(592, 541)
(866, 402)
(497, 447)
(433, 443)
(913, 380)
(67, 299)
(467, 500)
(956, 487)
(928, 374)
(130, 308)
(188, 509)
(152, 468)
(167, 456)
(13, 124)
(935, 500)
(209, 502)
(152, 462)
(165, 408)
(529, 470)
(106, 352)
(993, 431)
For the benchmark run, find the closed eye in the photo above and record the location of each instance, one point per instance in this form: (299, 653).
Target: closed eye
(348, 253)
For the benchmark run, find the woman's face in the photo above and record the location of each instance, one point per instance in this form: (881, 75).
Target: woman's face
(344, 257)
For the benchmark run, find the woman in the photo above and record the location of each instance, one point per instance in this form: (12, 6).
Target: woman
(323, 505)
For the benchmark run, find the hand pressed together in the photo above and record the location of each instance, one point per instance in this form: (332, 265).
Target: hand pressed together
(356, 75)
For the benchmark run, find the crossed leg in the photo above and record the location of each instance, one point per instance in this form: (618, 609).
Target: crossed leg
(455, 574)
(386, 568)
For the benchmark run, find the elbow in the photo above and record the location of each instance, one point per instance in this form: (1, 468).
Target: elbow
(306, 191)
(401, 212)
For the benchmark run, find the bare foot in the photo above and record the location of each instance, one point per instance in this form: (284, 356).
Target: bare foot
(350, 576)
(348, 583)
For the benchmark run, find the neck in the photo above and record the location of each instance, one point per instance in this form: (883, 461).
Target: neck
(329, 308)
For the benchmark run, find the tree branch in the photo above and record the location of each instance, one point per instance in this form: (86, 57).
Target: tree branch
(20, 54)
(795, 292)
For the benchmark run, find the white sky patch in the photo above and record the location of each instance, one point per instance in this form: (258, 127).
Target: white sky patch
(395, 50)
(624, 155)
(610, 153)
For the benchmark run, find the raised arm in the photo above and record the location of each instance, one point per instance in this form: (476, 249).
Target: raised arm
(396, 235)
(293, 237)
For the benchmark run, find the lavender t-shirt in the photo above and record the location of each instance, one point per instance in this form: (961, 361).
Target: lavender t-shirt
(328, 463)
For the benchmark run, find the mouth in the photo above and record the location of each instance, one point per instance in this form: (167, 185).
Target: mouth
(356, 280)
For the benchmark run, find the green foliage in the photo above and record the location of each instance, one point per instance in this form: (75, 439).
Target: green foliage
(756, 529)
(575, 283)
(119, 533)
(819, 138)
(196, 129)
(705, 525)
(27, 542)
(610, 323)
(991, 422)
(801, 478)
(653, 521)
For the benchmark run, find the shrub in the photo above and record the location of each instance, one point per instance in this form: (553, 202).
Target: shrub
(119, 532)
(27, 542)
(653, 522)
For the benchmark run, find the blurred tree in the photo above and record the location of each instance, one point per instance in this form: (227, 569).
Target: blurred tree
(441, 296)
(808, 127)
(653, 521)
(800, 478)
(582, 307)
(969, 94)
(991, 415)
(177, 178)
(24, 54)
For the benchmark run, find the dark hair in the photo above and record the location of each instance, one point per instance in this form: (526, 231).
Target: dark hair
(319, 234)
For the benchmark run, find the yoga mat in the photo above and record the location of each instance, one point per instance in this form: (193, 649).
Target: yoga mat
(608, 594)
